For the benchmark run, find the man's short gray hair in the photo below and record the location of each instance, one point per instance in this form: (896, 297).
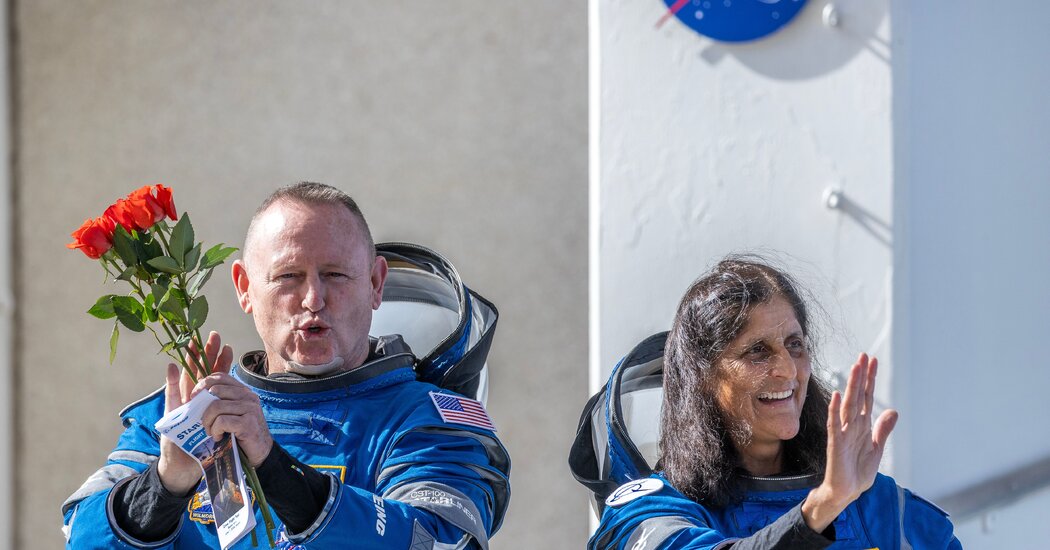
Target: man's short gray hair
(308, 192)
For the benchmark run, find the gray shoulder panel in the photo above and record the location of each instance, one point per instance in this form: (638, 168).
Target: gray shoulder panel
(652, 532)
(905, 545)
(494, 450)
(107, 476)
(444, 502)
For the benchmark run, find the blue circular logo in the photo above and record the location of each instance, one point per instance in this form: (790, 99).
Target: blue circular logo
(733, 20)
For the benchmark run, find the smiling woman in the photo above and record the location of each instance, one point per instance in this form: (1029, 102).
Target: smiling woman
(755, 451)
(761, 383)
(740, 330)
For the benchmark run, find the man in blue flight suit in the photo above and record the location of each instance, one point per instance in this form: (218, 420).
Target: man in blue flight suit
(350, 449)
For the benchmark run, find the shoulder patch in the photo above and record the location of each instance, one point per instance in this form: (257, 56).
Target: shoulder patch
(634, 489)
(200, 506)
(337, 471)
(457, 409)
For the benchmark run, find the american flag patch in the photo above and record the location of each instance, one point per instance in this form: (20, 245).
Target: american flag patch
(462, 410)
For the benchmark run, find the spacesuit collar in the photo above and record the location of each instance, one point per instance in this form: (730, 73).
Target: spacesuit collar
(780, 482)
(385, 354)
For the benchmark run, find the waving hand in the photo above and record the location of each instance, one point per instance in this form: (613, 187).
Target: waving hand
(855, 446)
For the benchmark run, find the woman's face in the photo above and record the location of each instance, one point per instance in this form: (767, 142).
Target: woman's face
(763, 374)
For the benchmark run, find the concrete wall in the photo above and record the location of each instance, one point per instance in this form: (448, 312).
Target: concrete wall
(709, 148)
(972, 178)
(7, 302)
(457, 124)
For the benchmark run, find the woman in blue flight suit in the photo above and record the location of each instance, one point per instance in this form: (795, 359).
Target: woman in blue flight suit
(754, 451)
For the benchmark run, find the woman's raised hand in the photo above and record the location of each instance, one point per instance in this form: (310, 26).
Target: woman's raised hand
(855, 446)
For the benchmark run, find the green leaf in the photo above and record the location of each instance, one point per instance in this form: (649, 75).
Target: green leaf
(198, 312)
(183, 340)
(149, 311)
(180, 342)
(113, 342)
(103, 308)
(165, 264)
(141, 255)
(172, 317)
(216, 255)
(152, 248)
(129, 312)
(181, 239)
(158, 290)
(198, 280)
(191, 258)
(171, 308)
(125, 247)
(127, 273)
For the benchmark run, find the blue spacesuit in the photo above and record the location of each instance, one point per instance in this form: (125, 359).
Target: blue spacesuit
(401, 475)
(615, 455)
(650, 514)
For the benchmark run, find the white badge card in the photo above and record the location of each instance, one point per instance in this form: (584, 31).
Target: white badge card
(221, 462)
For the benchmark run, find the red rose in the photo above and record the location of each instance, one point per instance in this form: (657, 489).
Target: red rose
(119, 213)
(94, 238)
(144, 208)
(166, 200)
(141, 208)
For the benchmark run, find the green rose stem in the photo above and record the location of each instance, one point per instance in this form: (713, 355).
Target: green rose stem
(138, 235)
(196, 337)
(253, 480)
(160, 230)
(198, 341)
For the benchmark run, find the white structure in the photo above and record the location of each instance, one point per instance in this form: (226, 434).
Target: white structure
(928, 120)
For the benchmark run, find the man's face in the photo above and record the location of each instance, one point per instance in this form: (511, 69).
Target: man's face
(310, 282)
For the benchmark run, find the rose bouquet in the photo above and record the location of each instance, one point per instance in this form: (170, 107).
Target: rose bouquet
(135, 242)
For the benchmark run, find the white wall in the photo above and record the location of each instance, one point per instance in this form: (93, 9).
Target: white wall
(1019, 525)
(938, 136)
(708, 148)
(972, 174)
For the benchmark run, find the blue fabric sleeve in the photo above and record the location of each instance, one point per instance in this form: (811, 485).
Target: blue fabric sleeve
(927, 526)
(92, 527)
(788, 532)
(88, 514)
(667, 520)
(661, 520)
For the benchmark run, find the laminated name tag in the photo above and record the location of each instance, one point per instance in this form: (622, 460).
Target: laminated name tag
(223, 475)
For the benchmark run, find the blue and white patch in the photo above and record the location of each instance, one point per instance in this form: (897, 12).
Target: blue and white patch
(634, 489)
(283, 543)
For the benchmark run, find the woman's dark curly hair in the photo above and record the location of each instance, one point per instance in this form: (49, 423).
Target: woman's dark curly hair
(696, 451)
